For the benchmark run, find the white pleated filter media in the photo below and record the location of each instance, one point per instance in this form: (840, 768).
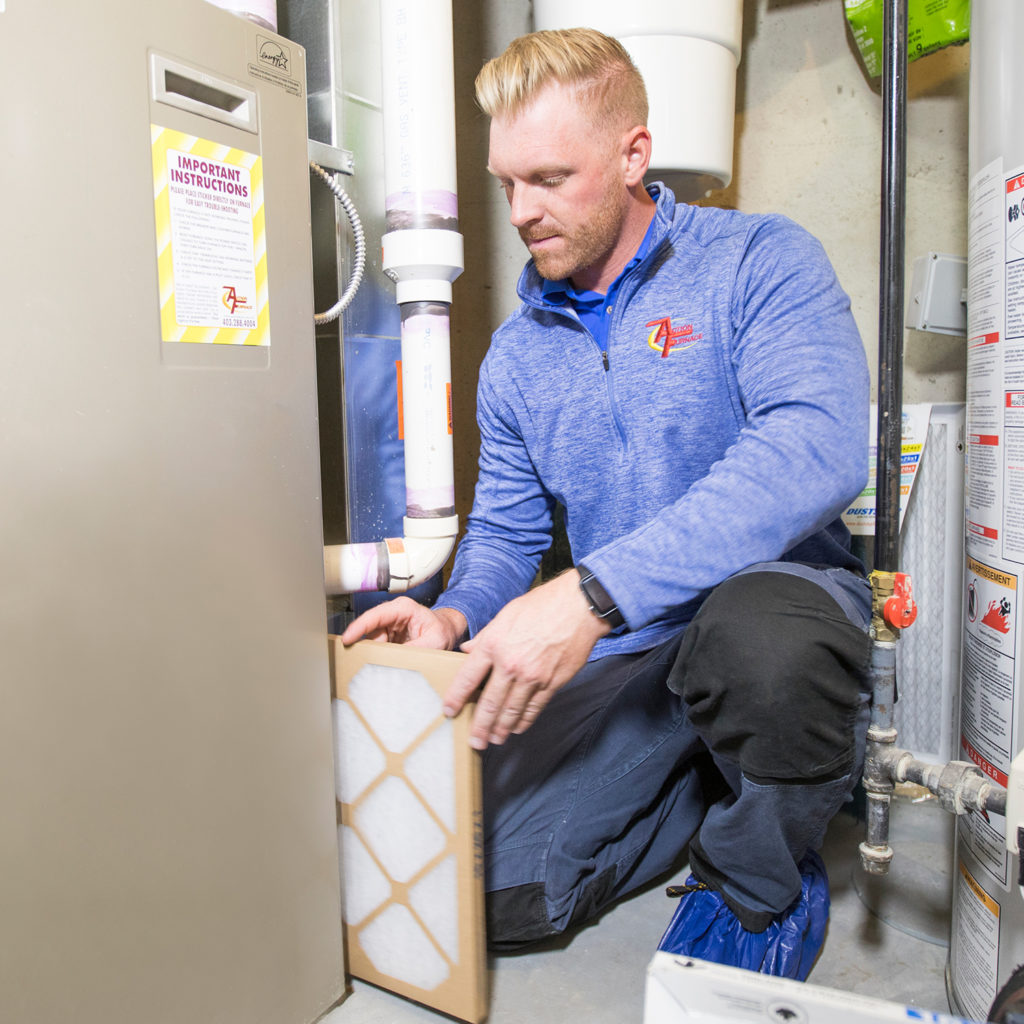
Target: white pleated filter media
(407, 785)
(932, 552)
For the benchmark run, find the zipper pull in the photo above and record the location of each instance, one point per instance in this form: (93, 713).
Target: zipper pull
(604, 359)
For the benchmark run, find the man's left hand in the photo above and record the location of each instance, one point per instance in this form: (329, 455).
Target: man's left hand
(527, 652)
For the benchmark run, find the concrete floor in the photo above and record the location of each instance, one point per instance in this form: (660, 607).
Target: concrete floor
(887, 938)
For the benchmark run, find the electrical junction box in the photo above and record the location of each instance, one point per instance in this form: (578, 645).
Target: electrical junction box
(937, 298)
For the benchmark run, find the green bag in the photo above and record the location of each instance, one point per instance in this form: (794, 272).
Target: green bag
(931, 25)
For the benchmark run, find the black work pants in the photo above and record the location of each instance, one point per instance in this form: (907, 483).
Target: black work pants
(742, 735)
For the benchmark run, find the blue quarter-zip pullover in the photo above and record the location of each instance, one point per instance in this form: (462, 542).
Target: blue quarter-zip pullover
(731, 426)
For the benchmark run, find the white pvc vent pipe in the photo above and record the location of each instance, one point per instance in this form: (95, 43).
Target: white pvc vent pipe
(687, 51)
(263, 12)
(422, 254)
(422, 246)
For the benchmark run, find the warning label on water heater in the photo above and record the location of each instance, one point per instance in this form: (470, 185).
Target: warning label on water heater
(975, 948)
(210, 241)
(988, 667)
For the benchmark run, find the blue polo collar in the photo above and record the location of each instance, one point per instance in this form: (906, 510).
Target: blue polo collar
(561, 293)
(593, 309)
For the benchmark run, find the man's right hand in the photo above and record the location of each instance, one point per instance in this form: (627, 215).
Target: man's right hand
(404, 621)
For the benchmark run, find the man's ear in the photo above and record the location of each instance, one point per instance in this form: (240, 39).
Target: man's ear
(636, 152)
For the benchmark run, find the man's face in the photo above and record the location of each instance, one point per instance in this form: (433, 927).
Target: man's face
(563, 182)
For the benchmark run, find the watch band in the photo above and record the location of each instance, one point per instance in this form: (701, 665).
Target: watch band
(599, 599)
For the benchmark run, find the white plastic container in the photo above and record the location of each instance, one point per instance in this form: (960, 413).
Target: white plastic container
(688, 52)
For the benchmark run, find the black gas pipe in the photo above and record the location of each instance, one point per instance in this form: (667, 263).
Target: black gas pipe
(961, 787)
(878, 784)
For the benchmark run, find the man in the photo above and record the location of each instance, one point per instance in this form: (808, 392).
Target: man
(689, 384)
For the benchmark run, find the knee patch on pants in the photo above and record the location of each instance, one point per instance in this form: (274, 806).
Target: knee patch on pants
(771, 670)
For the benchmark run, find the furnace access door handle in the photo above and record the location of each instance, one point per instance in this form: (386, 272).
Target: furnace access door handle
(181, 85)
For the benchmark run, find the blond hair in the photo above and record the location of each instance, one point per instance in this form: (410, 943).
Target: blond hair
(597, 65)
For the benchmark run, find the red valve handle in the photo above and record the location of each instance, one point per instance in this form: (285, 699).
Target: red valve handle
(900, 610)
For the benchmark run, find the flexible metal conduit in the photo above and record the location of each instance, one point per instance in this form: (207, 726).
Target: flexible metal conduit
(359, 241)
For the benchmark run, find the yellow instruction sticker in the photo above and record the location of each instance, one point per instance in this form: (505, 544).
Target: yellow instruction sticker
(211, 241)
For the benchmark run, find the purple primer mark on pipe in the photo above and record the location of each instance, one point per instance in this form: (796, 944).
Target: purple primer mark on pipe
(430, 502)
(365, 558)
(429, 208)
(436, 202)
(417, 324)
(424, 316)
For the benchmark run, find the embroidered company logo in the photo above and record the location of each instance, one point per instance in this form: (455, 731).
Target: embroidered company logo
(664, 338)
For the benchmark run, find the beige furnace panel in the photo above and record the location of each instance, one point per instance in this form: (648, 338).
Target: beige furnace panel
(168, 847)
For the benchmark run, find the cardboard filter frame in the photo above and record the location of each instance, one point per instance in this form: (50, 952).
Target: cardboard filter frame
(410, 823)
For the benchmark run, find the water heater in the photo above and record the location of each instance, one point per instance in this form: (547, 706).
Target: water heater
(988, 911)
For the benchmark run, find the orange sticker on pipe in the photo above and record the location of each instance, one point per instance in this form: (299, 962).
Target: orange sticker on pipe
(398, 391)
(448, 394)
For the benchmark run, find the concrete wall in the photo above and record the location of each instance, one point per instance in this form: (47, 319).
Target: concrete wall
(808, 144)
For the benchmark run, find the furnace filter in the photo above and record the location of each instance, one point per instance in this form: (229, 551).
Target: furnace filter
(409, 827)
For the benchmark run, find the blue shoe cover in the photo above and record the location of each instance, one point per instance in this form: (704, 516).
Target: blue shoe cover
(705, 928)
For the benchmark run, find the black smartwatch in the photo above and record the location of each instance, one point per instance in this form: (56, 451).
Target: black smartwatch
(599, 599)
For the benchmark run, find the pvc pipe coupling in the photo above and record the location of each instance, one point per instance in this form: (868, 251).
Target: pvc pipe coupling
(422, 262)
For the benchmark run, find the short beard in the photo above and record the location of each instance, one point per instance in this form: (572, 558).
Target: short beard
(587, 246)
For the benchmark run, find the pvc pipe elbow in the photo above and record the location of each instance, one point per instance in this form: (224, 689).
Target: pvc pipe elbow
(425, 548)
(420, 559)
(396, 564)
